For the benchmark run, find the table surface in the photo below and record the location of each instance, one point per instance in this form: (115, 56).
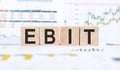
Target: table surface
(58, 58)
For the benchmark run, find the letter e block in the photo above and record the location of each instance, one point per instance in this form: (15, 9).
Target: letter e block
(30, 36)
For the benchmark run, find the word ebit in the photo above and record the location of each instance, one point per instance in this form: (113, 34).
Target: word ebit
(66, 36)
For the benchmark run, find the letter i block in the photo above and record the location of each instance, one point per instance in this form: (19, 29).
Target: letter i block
(69, 36)
(49, 36)
(30, 36)
(89, 36)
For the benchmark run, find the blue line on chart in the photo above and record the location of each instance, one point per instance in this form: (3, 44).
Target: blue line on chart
(34, 0)
(102, 18)
(9, 40)
(45, 11)
(37, 21)
(11, 36)
(112, 44)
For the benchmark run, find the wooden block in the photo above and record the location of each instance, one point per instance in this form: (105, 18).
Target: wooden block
(89, 36)
(69, 36)
(30, 36)
(49, 36)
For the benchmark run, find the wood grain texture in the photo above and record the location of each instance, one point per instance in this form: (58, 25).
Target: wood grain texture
(84, 36)
(56, 36)
(65, 37)
(35, 38)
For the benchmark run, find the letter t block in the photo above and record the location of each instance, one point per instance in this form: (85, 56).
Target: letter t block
(89, 36)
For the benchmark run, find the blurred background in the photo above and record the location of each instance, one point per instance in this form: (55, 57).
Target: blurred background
(104, 14)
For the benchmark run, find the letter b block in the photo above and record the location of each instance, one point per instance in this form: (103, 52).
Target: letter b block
(49, 36)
